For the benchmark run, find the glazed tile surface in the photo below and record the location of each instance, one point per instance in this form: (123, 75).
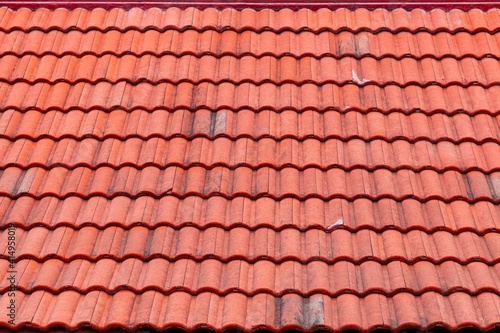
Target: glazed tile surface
(249, 169)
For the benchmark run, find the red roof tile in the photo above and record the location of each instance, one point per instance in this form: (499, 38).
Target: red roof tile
(255, 170)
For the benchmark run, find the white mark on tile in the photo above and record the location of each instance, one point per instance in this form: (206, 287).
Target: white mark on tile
(458, 21)
(339, 222)
(356, 79)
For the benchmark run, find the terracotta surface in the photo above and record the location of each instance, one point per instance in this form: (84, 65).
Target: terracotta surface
(254, 4)
(255, 170)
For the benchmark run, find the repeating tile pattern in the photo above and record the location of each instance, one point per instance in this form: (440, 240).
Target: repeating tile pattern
(222, 169)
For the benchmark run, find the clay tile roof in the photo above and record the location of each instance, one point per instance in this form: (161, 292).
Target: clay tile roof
(224, 169)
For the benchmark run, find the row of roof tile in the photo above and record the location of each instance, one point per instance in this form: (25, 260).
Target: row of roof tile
(172, 69)
(266, 152)
(288, 182)
(191, 42)
(263, 276)
(66, 244)
(313, 213)
(202, 123)
(248, 19)
(104, 95)
(127, 310)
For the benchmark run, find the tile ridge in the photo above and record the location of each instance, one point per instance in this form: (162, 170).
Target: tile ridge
(259, 83)
(252, 260)
(260, 291)
(219, 55)
(257, 5)
(182, 195)
(172, 317)
(176, 227)
(215, 108)
(252, 166)
(212, 138)
(260, 30)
